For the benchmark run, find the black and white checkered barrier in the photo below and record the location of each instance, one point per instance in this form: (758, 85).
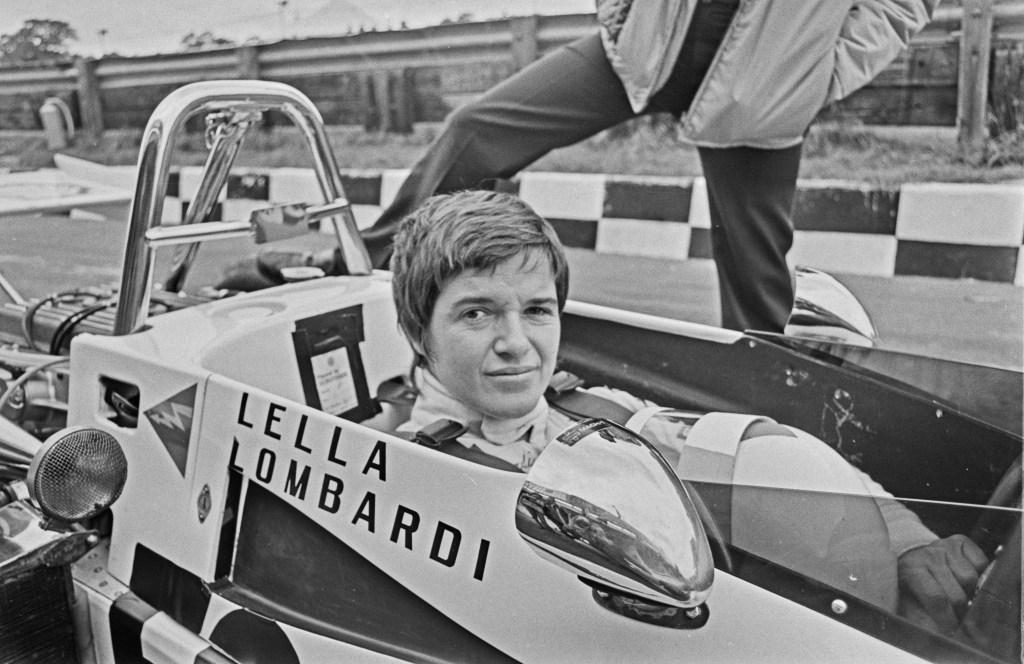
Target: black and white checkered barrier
(972, 231)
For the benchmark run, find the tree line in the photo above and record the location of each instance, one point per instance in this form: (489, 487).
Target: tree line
(48, 41)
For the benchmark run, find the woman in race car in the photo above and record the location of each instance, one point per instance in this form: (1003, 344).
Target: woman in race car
(480, 281)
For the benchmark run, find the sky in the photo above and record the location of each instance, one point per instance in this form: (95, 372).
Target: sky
(141, 27)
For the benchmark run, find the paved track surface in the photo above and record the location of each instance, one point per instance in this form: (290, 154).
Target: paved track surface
(965, 320)
(972, 321)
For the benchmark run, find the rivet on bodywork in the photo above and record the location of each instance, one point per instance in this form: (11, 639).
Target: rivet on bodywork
(795, 377)
(204, 503)
(838, 607)
(938, 412)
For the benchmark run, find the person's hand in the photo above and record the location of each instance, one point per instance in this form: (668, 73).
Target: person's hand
(937, 580)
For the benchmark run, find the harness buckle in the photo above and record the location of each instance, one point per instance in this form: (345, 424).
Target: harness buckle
(439, 432)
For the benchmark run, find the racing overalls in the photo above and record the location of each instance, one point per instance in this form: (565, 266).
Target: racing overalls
(767, 489)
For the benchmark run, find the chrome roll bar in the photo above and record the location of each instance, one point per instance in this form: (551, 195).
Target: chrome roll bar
(239, 102)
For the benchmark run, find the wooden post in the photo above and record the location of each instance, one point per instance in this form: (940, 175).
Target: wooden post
(90, 107)
(972, 85)
(389, 101)
(368, 102)
(382, 98)
(524, 40)
(248, 62)
(402, 97)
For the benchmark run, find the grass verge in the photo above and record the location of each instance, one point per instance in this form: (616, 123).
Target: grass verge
(881, 156)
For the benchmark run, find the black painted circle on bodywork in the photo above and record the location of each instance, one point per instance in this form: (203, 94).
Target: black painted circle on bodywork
(253, 639)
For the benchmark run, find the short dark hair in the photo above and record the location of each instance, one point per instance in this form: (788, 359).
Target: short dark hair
(467, 230)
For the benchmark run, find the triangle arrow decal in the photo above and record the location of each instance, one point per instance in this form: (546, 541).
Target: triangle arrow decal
(172, 421)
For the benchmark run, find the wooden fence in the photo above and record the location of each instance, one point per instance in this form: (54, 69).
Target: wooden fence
(388, 80)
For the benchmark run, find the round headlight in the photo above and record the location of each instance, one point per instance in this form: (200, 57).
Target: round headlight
(77, 473)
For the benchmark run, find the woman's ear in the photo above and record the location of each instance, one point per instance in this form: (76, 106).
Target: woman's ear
(421, 354)
(417, 345)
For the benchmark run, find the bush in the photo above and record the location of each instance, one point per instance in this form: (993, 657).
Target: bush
(1006, 149)
(1006, 104)
(845, 132)
(1005, 146)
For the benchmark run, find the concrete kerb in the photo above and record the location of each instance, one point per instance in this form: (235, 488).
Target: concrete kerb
(965, 231)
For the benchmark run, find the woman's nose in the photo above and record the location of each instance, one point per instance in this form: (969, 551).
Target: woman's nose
(511, 336)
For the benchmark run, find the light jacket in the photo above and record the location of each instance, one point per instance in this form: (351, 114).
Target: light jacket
(780, 61)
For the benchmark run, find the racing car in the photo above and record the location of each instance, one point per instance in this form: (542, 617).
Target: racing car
(213, 474)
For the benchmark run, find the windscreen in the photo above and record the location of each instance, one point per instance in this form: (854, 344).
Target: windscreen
(788, 513)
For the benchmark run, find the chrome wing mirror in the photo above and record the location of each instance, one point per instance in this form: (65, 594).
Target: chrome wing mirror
(826, 310)
(603, 504)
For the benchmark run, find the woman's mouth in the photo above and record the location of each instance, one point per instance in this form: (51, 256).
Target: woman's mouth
(510, 372)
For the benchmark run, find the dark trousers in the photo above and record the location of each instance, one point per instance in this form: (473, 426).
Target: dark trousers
(572, 94)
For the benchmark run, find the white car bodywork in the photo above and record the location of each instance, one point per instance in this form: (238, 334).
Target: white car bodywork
(238, 355)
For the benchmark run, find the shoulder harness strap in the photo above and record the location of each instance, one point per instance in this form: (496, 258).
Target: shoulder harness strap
(443, 435)
(562, 395)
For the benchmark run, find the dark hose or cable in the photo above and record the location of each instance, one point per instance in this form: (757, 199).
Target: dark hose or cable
(28, 319)
(67, 326)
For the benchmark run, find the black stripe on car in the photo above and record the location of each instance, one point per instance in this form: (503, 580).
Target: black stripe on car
(128, 614)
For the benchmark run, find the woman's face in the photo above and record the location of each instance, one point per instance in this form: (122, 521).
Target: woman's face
(493, 336)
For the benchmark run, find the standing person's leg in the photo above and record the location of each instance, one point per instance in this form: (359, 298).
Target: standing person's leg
(751, 194)
(566, 96)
